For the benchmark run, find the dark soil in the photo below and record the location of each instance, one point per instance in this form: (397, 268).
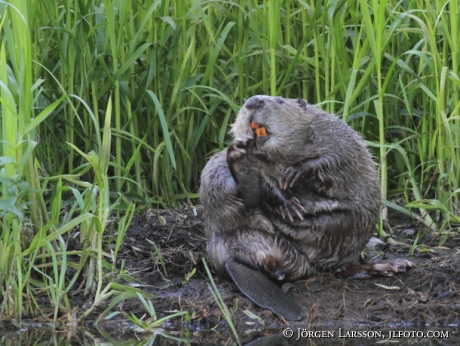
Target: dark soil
(425, 298)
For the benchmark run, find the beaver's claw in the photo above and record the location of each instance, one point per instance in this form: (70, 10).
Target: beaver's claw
(290, 176)
(287, 205)
(291, 207)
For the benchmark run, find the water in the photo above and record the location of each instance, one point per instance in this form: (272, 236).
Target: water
(124, 334)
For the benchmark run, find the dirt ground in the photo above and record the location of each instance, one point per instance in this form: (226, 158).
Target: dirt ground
(424, 299)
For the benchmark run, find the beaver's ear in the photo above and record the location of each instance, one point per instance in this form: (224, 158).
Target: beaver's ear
(302, 103)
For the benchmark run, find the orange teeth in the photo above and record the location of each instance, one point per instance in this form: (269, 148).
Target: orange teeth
(260, 132)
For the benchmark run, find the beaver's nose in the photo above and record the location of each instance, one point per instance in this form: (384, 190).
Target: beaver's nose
(254, 102)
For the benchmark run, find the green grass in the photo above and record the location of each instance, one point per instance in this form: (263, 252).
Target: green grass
(111, 105)
(227, 315)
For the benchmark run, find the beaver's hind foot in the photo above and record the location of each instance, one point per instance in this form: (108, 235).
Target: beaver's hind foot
(387, 268)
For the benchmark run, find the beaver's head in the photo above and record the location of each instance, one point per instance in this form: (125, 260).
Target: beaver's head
(280, 126)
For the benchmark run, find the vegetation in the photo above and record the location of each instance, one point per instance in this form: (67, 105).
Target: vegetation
(111, 104)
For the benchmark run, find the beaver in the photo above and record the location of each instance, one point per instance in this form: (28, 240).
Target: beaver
(296, 192)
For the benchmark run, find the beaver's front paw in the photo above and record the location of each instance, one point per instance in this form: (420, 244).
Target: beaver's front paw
(286, 205)
(237, 158)
(245, 172)
(290, 176)
(290, 206)
(245, 142)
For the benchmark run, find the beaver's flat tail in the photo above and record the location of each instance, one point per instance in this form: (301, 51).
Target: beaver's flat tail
(262, 291)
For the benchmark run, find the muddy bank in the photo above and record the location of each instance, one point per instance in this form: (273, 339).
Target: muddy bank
(424, 299)
(426, 296)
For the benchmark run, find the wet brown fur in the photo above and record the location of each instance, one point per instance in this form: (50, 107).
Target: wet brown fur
(333, 179)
